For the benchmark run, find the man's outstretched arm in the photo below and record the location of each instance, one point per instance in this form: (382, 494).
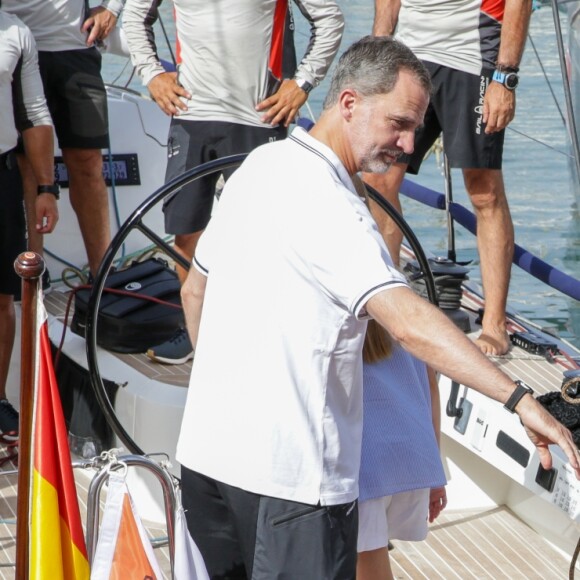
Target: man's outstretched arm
(429, 335)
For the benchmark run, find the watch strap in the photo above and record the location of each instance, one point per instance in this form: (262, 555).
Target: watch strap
(304, 85)
(498, 76)
(53, 189)
(520, 390)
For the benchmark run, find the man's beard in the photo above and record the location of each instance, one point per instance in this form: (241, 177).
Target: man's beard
(376, 163)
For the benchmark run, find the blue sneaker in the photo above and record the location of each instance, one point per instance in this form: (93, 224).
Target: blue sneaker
(175, 351)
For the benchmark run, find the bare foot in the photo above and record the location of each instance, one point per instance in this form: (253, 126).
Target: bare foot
(493, 343)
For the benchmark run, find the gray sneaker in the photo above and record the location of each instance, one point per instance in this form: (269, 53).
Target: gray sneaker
(9, 420)
(175, 351)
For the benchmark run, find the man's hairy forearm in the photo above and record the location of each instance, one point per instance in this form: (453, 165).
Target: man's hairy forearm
(39, 147)
(514, 32)
(386, 16)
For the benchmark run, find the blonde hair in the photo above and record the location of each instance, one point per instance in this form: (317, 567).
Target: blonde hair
(378, 343)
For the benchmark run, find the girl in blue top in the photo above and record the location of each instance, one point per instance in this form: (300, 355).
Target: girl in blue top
(401, 476)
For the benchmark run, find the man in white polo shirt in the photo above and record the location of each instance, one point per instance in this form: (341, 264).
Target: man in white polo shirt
(284, 278)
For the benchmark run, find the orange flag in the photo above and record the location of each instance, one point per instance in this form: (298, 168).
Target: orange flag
(123, 550)
(57, 543)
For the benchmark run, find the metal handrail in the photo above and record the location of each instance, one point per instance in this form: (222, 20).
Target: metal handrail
(93, 499)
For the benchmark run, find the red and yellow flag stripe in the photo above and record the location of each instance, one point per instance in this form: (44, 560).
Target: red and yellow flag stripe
(57, 544)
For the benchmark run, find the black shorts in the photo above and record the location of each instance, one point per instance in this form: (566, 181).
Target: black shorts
(245, 535)
(456, 108)
(192, 143)
(76, 97)
(12, 224)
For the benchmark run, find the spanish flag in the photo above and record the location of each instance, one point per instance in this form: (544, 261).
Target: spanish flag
(57, 543)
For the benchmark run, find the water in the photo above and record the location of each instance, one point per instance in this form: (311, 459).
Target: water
(536, 171)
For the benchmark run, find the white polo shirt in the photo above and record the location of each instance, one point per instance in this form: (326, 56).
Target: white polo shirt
(275, 397)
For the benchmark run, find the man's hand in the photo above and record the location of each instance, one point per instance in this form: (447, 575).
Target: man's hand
(437, 502)
(283, 105)
(46, 213)
(167, 93)
(99, 24)
(543, 430)
(499, 107)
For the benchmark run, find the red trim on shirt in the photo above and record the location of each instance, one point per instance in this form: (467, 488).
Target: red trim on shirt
(277, 46)
(177, 44)
(494, 8)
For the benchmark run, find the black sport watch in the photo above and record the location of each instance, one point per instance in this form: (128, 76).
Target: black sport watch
(304, 85)
(53, 189)
(520, 390)
(509, 80)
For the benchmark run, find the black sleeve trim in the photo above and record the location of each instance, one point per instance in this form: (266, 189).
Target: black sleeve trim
(200, 267)
(364, 297)
(21, 119)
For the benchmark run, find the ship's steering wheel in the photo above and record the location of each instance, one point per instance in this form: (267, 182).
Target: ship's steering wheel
(135, 222)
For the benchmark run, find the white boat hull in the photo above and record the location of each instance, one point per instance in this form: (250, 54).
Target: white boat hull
(137, 128)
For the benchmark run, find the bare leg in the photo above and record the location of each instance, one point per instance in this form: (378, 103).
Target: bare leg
(388, 185)
(178, 348)
(90, 200)
(7, 334)
(374, 565)
(495, 242)
(185, 245)
(35, 240)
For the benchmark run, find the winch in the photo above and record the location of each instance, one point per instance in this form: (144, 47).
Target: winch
(448, 277)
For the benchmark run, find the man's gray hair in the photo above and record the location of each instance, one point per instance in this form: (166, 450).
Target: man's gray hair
(371, 67)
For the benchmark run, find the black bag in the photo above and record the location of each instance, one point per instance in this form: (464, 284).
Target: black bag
(130, 324)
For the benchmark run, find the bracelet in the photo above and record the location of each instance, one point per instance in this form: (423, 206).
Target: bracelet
(53, 189)
(506, 68)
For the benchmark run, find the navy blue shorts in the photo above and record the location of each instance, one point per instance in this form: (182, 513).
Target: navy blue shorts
(456, 109)
(246, 535)
(192, 143)
(76, 97)
(12, 224)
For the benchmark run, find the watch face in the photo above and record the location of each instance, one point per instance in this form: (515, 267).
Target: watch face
(511, 81)
(305, 86)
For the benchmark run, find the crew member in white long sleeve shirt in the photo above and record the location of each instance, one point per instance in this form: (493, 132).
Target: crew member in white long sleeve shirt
(232, 94)
(23, 111)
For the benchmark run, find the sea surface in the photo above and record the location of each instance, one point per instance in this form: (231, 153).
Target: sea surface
(537, 167)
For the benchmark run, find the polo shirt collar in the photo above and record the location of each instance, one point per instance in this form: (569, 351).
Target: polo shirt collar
(316, 147)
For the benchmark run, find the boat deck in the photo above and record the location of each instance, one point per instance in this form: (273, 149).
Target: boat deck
(487, 544)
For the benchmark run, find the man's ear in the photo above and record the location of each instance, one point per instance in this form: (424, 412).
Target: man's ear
(347, 101)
